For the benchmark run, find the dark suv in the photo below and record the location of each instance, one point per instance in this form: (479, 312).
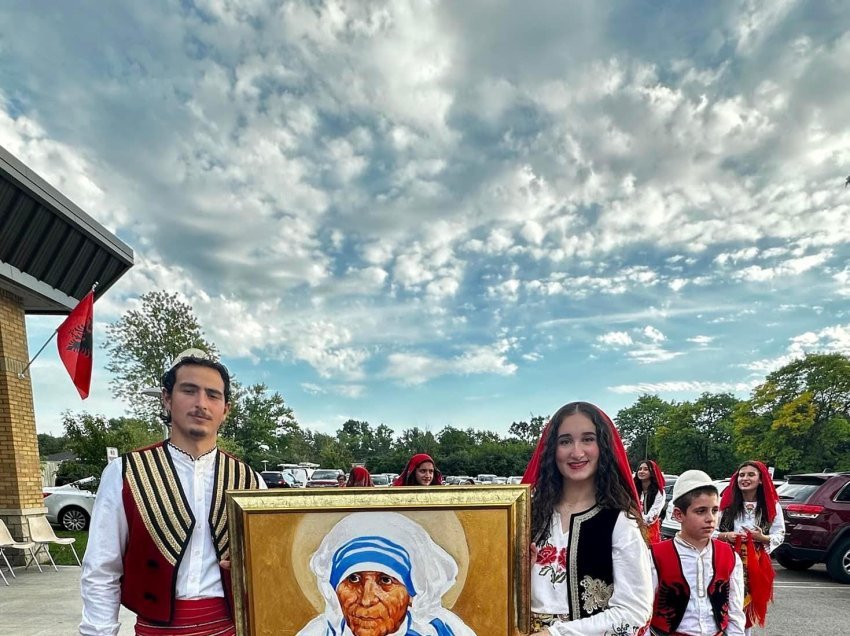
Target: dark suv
(817, 523)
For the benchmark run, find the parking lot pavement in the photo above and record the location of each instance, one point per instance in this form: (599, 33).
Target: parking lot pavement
(46, 604)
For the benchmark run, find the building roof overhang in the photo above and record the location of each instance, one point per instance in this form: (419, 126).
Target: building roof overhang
(51, 252)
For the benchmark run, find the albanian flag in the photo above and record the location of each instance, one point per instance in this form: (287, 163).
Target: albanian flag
(74, 338)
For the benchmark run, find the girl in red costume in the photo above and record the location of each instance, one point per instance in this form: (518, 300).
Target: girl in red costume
(359, 477)
(649, 482)
(590, 572)
(751, 519)
(420, 471)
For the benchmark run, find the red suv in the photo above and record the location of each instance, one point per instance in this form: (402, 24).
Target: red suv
(817, 523)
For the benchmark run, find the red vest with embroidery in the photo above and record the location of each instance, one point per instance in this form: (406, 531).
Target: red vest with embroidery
(160, 523)
(673, 593)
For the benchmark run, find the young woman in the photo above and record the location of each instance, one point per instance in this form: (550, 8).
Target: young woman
(359, 477)
(649, 482)
(751, 519)
(420, 471)
(590, 572)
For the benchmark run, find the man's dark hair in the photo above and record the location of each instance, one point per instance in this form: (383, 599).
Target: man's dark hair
(170, 377)
(684, 502)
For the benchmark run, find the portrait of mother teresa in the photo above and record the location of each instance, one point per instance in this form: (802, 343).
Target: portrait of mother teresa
(381, 574)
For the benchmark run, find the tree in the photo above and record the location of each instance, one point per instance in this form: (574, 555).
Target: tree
(144, 341)
(257, 423)
(799, 418)
(530, 431)
(90, 435)
(50, 445)
(638, 426)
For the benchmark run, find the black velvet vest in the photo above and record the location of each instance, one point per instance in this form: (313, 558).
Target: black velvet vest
(590, 567)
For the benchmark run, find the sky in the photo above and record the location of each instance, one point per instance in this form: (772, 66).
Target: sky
(452, 213)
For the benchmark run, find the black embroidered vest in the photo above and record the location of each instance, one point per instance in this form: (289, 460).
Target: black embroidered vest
(160, 523)
(590, 567)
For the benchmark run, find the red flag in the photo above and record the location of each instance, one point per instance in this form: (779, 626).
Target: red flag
(74, 338)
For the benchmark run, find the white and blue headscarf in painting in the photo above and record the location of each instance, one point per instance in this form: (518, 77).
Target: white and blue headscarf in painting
(391, 543)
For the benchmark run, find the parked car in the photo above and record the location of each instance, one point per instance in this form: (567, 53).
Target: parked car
(485, 479)
(515, 479)
(380, 480)
(325, 477)
(278, 479)
(300, 476)
(669, 482)
(70, 506)
(817, 523)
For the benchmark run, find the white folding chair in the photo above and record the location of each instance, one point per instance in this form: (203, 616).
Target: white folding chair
(6, 541)
(42, 535)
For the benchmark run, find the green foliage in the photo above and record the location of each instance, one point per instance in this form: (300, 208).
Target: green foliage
(638, 426)
(258, 424)
(69, 471)
(144, 341)
(50, 445)
(799, 418)
(90, 435)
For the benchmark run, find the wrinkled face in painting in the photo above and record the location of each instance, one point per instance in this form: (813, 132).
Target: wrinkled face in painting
(424, 474)
(373, 603)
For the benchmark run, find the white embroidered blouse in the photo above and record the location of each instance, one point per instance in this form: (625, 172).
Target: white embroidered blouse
(651, 513)
(748, 520)
(628, 606)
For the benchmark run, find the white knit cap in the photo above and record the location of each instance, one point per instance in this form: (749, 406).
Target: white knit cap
(690, 480)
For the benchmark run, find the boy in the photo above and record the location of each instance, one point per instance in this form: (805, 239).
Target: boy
(698, 581)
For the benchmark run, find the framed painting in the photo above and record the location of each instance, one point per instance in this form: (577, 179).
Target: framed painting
(437, 561)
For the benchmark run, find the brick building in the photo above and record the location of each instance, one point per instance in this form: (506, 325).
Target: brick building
(51, 253)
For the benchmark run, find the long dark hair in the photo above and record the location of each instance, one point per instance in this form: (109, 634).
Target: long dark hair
(611, 492)
(652, 490)
(727, 519)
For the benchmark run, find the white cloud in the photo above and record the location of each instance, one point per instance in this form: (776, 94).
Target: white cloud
(683, 386)
(417, 368)
(616, 339)
(653, 334)
(702, 341)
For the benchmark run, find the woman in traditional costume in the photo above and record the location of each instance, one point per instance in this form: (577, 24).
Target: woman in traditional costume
(751, 519)
(420, 471)
(649, 481)
(359, 478)
(590, 572)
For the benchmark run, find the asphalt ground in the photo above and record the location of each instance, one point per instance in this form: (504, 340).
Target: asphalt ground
(34, 604)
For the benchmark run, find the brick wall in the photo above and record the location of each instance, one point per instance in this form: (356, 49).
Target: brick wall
(20, 472)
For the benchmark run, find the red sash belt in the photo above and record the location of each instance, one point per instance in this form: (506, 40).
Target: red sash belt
(198, 617)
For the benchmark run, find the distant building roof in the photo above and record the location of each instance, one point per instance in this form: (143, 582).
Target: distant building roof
(64, 456)
(51, 252)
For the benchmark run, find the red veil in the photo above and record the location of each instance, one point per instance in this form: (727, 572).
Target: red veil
(532, 471)
(411, 467)
(359, 477)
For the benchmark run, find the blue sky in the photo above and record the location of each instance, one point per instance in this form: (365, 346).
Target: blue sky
(434, 213)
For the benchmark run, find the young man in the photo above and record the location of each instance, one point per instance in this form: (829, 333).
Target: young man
(698, 581)
(158, 540)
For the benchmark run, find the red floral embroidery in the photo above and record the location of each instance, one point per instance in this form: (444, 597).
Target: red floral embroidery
(553, 562)
(547, 555)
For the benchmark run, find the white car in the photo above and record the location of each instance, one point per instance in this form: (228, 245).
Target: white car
(69, 506)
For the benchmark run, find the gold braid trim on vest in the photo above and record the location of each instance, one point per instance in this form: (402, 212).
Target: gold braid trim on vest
(230, 474)
(153, 483)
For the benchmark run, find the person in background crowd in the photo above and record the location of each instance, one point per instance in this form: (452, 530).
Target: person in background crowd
(359, 477)
(698, 581)
(752, 521)
(340, 480)
(158, 540)
(590, 573)
(649, 481)
(420, 471)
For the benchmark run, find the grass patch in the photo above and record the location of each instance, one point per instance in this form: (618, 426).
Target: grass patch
(62, 554)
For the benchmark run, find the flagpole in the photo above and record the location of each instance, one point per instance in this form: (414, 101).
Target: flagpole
(23, 374)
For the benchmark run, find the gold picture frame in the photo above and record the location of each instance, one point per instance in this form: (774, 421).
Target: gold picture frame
(280, 589)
